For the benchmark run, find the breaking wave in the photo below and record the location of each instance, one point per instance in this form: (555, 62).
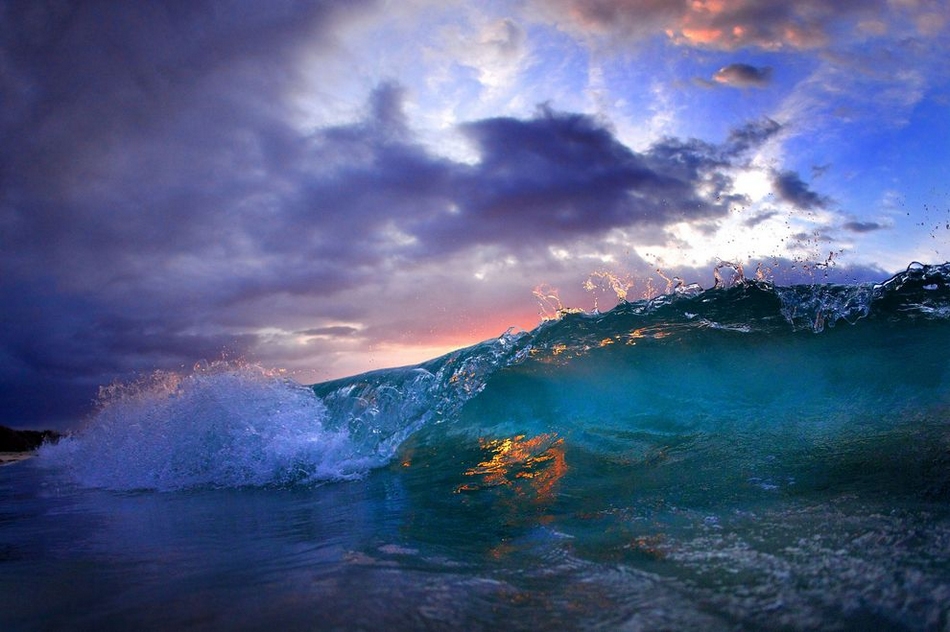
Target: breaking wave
(731, 359)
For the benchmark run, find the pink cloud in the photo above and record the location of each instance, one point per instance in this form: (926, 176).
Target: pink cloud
(716, 24)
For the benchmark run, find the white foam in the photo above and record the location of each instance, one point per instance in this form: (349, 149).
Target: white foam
(220, 426)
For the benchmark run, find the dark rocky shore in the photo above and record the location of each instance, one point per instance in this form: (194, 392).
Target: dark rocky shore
(24, 440)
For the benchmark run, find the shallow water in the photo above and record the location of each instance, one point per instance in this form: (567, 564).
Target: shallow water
(399, 550)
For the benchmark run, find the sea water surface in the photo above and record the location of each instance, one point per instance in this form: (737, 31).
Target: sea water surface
(739, 458)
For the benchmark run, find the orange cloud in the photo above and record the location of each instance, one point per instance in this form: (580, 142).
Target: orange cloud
(704, 36)
(717, 24)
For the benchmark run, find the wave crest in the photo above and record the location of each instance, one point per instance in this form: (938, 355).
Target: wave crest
(220, 426)
(227, 425)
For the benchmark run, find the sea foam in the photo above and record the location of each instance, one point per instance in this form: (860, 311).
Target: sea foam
(221, 425)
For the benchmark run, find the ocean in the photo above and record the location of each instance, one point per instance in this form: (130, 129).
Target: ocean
(738, 458)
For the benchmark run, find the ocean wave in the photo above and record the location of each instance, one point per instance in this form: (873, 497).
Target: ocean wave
(741, 358)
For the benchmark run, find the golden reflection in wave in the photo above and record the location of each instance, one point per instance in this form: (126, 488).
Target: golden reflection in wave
(656, 332)
(530, 466)
(652, 546)
(557, 355)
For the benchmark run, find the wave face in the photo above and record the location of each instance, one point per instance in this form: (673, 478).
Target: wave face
(749, 387)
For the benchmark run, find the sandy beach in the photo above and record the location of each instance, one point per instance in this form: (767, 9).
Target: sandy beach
(6, 458)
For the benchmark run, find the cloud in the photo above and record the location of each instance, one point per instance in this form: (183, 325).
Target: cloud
(539, 181)
(789, 187)
(751, 135)
(332, 331)
(758, 218)
(712, 24)
(743, 76)
(562, 175)
(495, 51)
(171, 123)
(862, 227)
(139, 143)
(869, 83)
(506, 37)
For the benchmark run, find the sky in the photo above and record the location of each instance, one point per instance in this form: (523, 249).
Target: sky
(334, 187)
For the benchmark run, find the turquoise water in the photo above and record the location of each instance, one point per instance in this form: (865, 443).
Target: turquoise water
(745, 457)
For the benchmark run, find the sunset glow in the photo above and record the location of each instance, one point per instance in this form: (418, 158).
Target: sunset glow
(341, 186)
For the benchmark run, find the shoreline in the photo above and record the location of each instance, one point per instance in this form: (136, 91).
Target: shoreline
(9, 458)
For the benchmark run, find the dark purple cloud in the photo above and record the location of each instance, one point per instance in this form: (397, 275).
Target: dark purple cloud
(751, 135)
(743, 76)
(789, 187)
(559, 176)
(758, 218)
(862, 227)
